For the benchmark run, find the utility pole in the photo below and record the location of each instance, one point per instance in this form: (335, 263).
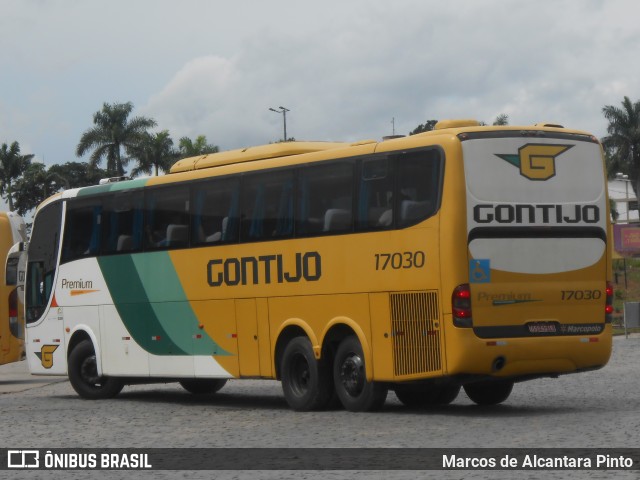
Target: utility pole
(283, 111)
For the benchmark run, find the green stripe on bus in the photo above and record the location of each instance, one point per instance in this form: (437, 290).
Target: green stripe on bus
(150, 299)
(171, 306)
(132, 303)
(112, 187)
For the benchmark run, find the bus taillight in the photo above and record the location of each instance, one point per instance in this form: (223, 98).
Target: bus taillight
(13, 313)
(608, 308)
(461, 306)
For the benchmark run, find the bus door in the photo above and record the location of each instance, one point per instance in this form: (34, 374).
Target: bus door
(536, 224)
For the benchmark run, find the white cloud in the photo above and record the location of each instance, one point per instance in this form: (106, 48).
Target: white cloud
(461, 60)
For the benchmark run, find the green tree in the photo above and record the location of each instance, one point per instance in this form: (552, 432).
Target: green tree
(33, 187)
(154, 153)
(113, 130)
(622, 144)
(38, 183)
(12, 165)
(189, 148)
(424, 127)
(76, 175)
(613, 208)
(502, 119)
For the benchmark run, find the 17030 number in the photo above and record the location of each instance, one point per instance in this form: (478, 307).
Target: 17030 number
(400, 260)
(581, 294)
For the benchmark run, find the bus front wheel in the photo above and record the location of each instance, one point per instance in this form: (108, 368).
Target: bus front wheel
(306, 382)
(350, 380)
(490, 392)
(83, 374)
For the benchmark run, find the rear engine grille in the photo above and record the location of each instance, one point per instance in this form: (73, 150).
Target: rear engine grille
(415, 332)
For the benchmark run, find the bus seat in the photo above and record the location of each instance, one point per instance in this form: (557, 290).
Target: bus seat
(177, 235)
(386, 218)
(412, 210)
(125, 243)
(214, 237)
(337, 219)
(217, 236)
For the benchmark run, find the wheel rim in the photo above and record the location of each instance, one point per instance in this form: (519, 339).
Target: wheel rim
(89, 371)
(352, 374)
(300, 375)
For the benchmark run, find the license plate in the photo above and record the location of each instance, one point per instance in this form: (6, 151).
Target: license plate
(542, 327)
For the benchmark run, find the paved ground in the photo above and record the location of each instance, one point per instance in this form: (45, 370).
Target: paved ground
(590, 410)
(15, 378)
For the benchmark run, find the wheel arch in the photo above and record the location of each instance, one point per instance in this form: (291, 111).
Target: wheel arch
(290, 329)
(80, 333)
(339, 328)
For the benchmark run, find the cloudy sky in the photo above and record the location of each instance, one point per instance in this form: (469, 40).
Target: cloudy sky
(344, 68)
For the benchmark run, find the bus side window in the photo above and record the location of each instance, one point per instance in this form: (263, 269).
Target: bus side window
(82, 231)
(122, 219)
(215, 211)
(325, 199)
(418, 186)
(167, 218)
(375, 194)
(267, 206)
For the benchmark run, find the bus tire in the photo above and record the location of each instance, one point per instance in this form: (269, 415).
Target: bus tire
(448, 394)
(489, 392)
(203, 386)
(83, 374)
(421, 396)
(350, 380)
(306, 382)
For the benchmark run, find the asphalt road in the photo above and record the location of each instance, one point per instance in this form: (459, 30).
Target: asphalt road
(589, 410)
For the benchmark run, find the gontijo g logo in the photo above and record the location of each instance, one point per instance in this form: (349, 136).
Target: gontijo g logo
(536, 161)
(46, 355)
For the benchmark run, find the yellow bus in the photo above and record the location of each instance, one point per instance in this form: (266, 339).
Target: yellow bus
(469, 256)
(12, 232)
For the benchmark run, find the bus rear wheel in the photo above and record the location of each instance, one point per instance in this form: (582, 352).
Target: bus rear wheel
(350, 380)
(84, 377)
(306, 382)
(203, 386)
(417, 397)
(489, 392)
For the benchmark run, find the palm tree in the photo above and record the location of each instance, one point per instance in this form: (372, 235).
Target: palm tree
(155, 152)
(189, 148)
(113, 130)
(12, 166)
(622, 145)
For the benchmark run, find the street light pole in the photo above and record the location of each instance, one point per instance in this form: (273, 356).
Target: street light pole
(283, 111)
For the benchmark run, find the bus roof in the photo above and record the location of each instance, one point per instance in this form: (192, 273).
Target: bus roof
(273, 150)
(284, 149)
